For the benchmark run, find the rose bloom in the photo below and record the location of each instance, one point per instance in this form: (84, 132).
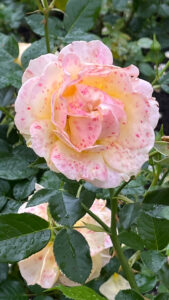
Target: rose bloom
(41, 268)
(89, 119)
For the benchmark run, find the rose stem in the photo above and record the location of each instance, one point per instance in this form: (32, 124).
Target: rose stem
(116, 243)
(46, 15)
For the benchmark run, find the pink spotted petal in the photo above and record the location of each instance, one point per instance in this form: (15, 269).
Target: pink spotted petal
(110, 123)
(74, 165)
(43, 138)
(71, 64)
(132, 70)
(38, 210)
(24, 116)
(125, 162)
(59, 111)
(84, 132)
(37, 66)
(94, 52)
(34, 98)
(40, 268)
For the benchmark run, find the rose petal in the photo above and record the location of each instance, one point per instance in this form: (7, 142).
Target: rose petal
(113, 286)
(84, 132)
(40, 268)
(94, 52)
(34, 98)
(43, 138)
(59, 111)
(74, 165)
(125, 162)
(37, 66)
(38, 210)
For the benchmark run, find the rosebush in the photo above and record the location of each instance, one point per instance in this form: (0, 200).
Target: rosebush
(75, 122)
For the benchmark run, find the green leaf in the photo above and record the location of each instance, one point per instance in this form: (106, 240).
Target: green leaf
(153, 231)
(162, 296)
(81, 14)
(3, 271)
(21, 235)
(7, 96)
(163, 275)
(120, 5)
(65, 209)
(145, 283)
(128, 214)
(131, 239)
(165, 88)
(12, 290)
(3, 201)
(10, 73)
(11, 206)
(146, 69)
(15, 165)
(162, 147)
(36, 22)
(50, 180)
(72, 255)
(9, 44)
(42, 196)
(154, 260)
(79, 35)
(159, 195)
(35, 50)
(23, 189)
(145, 43)
(128, 295)
(80, 293)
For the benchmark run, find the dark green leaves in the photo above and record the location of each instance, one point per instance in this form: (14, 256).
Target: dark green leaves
(73, 255)
(153, 231)
(15, 164)
(35, 50)
(65, 209)
(159, 195)
(128, 295)
(80, 293)
(42, 196)
(21, 235)
(132, 240)
(81, 14)
(36, 22)
(12, 290)
(153, 260)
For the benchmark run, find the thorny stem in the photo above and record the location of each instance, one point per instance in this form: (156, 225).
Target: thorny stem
(116, 244)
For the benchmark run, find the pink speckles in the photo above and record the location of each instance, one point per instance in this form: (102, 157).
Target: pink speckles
(40, 84)
(38, 127)
(28, 108)
(137, 135)
(22, 119)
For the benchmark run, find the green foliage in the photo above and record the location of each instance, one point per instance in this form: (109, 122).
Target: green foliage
(72, 253)
(80, 293)
(21, 235)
